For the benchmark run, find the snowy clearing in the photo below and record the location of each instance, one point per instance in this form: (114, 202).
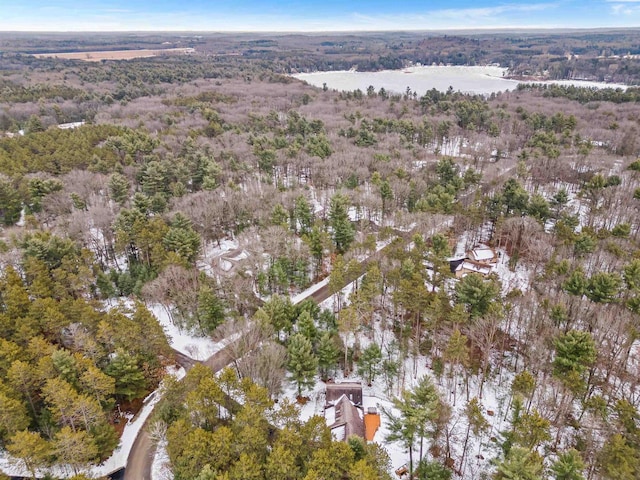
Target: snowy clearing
(197, 348)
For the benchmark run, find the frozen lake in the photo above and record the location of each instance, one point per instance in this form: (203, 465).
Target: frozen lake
(480, 80)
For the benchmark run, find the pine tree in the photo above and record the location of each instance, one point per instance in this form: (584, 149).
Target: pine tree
(301, 363)
(306, 326)
(476, 423)
(631, 275)
(343, 231)
(520, 464)
(618, 460)
(31, 448)
(13, 416)
(603, 287)
(211, 311)
(130, 381)
(328, 354)
(182, 239)
(419, 412)
(246, 468)
(34, 124)
(531, 429)
(576, 284)
(278, 312)
(575, 352)
(75, 449)
(432, 471)
(303, 215)
(281, 464)
(386, 194)
(361, 470)
(568, 466)
(369, 363)
(477, 294)
(10, 203)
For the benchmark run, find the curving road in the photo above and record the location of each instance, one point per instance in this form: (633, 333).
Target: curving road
(143, 450)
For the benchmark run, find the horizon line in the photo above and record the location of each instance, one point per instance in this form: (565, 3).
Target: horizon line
(425, 30)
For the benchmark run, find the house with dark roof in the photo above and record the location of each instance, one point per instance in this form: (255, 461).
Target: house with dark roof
(345, 414)
(348, 420)
(351, 390)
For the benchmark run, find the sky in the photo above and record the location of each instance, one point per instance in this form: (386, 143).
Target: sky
(307, 16)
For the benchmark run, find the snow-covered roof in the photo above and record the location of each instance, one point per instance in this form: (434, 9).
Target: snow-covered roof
(352, 390)
(483, 253)
(66, 126)
(475, 267)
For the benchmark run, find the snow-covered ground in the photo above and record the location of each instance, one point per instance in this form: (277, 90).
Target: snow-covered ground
(160, 468)
(212, 253)
(197, 348)
(495, 391)
(494, 404)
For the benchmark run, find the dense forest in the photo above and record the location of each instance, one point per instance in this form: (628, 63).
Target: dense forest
(218, 196)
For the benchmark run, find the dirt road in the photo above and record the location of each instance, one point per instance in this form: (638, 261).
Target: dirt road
(143, 450)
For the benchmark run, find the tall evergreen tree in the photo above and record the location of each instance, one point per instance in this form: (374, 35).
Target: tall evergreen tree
(328, 354)
(343, 231)
(301, 362)
(575, 352)
(477, 294)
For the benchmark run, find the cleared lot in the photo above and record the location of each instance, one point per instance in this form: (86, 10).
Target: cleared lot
(116, 54)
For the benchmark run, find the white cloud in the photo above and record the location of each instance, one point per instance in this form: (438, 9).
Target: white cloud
(626, 9)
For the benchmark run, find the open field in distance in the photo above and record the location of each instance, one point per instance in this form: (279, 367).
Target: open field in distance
(116, 54)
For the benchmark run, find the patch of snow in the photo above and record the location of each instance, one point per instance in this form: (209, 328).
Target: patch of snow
(331, 303)
(213, 251)
(161, 467)
(519, 278)
(67, 126)
(20, 223)
(197, 348)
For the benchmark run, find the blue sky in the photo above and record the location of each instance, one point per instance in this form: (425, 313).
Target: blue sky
(322, 15)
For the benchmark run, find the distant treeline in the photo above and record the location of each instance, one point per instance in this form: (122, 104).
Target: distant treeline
(585, 94)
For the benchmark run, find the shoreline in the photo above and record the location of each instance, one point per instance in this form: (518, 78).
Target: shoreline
(476, 79)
